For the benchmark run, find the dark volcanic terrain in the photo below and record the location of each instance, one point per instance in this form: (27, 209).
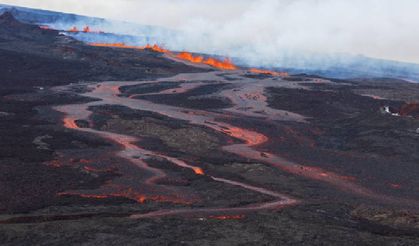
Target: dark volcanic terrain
(131, 147)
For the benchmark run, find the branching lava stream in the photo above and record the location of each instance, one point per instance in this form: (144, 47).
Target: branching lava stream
(248, 100)
(108, 93)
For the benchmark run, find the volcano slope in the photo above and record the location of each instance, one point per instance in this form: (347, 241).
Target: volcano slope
(131, 147)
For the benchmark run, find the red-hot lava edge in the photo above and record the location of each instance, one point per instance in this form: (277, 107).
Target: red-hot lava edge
(107, 92)
(225, 64)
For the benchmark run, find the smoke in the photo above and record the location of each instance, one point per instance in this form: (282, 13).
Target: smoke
(271, 31)
(303, 33)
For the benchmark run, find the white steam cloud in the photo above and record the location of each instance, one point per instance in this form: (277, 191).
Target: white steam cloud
(268, 32)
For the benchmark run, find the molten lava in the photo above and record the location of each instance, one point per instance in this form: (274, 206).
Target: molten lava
(224, 65)
(83, 195)
(154, 47)
(198, 171)
(70, 123)
(116, 45)
(142, 198)
(250, 137)
(268, 72)
(86, 29)
(73, 29)
(189, 57)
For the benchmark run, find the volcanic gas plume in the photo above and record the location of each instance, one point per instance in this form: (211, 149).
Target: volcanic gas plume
(226, 64)
(222, 64)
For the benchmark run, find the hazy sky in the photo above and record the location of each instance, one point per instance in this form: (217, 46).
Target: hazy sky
(377, 28)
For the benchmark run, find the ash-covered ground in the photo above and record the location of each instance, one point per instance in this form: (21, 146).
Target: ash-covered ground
(131, 147)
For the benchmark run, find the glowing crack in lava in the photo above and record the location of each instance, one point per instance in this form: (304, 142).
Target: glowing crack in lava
(154, 47)
(268, 72)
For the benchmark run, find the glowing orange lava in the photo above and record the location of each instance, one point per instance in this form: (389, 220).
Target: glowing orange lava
(83, 195)
(227, 64)
(154, 47)
(70, 123)
(198, 171)
(130, 193)
(251, 138)
(189, 57)
(73, 29)
(268, 72)
(86, 29)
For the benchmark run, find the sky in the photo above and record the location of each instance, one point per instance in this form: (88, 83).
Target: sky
(267, 29)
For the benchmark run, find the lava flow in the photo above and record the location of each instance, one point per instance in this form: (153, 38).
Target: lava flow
(249, 94)
(73, 29)
(226, 64)
(154, 47)
(139, 156)
(86, 29)
(251, 139)
(268, 72)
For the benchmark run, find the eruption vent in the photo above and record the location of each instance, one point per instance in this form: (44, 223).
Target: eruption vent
(73, 29)
(227, 64)
(154, 47)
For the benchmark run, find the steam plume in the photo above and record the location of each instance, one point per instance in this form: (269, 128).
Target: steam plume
(272, 32)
